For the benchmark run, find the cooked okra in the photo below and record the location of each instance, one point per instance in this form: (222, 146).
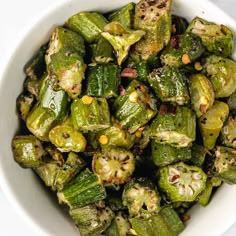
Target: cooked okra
(178, 25)
(228, 132)
(24, 103)
(232, 101)
(204, 197)
(198, 155)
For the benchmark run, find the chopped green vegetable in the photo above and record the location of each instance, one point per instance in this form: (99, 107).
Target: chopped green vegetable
(24, 104)
(228, 132)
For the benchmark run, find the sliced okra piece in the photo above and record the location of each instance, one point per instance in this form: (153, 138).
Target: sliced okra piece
(232, 101)
(121, 39)
(92, 219)
(218, 39)
(154, 17)
(141, 197)
(84, 189)
(211, 123)
(182, 182)
(222, 74)
(164, 154)
(175, 126)
(205, 196)
(169, 85)
(179, 25)
(202, 93)
(24, 103)
(64, 38)
(198, 155)
(114, 201)
(28, 151)
(228, 132)
(113, 165)
(66, 70)
(142, 136)
(135, 106)
(33, 86)
(182, 50)
(225, 164)
(90, 114)
(88, 24)
(103, 80)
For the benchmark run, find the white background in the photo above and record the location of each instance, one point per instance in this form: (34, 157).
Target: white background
(14, 19)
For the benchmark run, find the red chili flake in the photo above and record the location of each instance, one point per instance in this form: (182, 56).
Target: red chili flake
(185, 218)
(122, 90)
(163, 109)
(172, 109)
(175, 177)
(203, 108)
(174, 42)
(129, 73)
(85, 67)
(90, 116)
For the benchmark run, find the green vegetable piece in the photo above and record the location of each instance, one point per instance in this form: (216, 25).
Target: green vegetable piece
(121, 39)
(33, 86)
(202, 94)
(182, 182)
(164, 154)
(142, 137)
(88, 24)
(225, 164)
(169, 85)
(66, 70)
(198, 155)
(28, 151)
(154, 17)
(113, 165)
(141, 197)
(124, 15)
(204, 197)
(222, 74)
(103, 80)
(114, 201)
(92, 219)
(211, 123)
(24, 103)
(64, 38)
(182, 50)
(90, 114)
(174, 126)
(228, 132)
(179, 25)
(135, 106)
(167, 223)
(218, 39)
(83, 190)
(232, 101)
(73, 165)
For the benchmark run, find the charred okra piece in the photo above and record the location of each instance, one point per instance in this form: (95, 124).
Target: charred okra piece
(124, 15)
(225, 164)
(174, 126)
(164, 154)
(169, 85)
(232, 101)
(121, 39)
(88, 24)
(113, 165)
(205, 196)
(24, 103)
(92, 219)
(103, 80)
(211, 123)
(179, 25)
(222, 74)
(166, 222)
(228, 132)
(154, 17)
(33, 86)
(202, 94)
(182, 182)
(64, 38)
(141, 197)
(182, 50)
(135, 106)
(198, 155)
(90, 114)
(28, 151)
(66, 70)
(83, 190)
(218, 39)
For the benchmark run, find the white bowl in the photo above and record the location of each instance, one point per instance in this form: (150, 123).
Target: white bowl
(23, 188)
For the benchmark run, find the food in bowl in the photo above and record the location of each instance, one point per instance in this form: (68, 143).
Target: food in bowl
(93, 113)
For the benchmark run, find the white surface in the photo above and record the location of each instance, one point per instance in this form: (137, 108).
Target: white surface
(10, 222)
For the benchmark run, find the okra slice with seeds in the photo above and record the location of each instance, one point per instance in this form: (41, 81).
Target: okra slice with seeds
(113, 165)
(228, 132)
(218, 39)
(84, 189)
(202, 93)
(169, 85)
(90, 114)
(154, 17)
(121, 39)
(24, 103)
(175, 126)
(141, 197)
(211, 123)
(222, 74)
(178, 25)
(28, 151)
(92, 219)
(182, 182)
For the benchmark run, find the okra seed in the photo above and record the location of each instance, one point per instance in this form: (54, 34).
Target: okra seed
(87, 99)
(103, 139)
(186, 59)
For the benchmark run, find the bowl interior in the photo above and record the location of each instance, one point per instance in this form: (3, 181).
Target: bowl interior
(23, 188)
